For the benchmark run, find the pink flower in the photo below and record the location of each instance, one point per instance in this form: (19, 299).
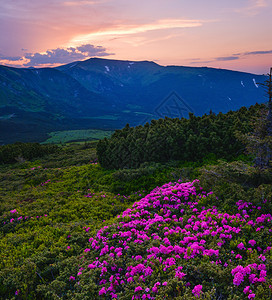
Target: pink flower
(180, 275)
(197, 290)
(252, 242)
(247, 289)
(262, 257)
(138, 289)
(252, 278)
(241, 246)
(102, 291)
(251, 296)
(261, 267)
(238, 278)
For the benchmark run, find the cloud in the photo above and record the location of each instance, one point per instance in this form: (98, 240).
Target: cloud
(231, 57)
(55, 56)
(199, 61)
(240, 55)
(259, 3)
(10, 58)
(119, 30)
(226, 58)
(253, 7)
(66, 55)
(258, 52)
(91, 50)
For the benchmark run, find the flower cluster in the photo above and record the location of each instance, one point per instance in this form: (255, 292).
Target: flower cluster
(161, 233)
(249, 272)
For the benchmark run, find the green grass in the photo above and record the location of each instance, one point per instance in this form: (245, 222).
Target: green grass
(62, 137)
(38, 255)
(52, 191)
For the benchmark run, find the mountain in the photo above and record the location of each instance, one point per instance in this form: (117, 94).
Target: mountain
(34, 102)
(107, 94)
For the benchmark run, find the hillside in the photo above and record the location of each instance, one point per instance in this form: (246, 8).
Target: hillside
(35, 102)
(71, 229)
(147, 84)
(107, 94)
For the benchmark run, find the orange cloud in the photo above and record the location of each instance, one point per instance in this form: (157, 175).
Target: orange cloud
(119, 30)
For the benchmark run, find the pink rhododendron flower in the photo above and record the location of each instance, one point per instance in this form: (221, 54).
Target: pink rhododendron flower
(197, 290)
(262, 257)
(102, 291)
(138, 289)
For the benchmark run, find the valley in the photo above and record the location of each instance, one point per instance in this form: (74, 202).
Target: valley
(107, 94)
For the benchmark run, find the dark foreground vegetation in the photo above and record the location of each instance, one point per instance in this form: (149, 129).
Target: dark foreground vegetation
(178, 139)
(193, 225)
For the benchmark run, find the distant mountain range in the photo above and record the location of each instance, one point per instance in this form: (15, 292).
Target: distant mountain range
(107, 94)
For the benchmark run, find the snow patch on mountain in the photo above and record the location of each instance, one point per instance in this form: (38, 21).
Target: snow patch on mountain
(255, 83)
(72, 65)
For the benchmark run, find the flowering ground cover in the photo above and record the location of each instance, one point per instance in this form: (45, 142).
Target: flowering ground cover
(173, 244)
(45, 205)
(70, 229)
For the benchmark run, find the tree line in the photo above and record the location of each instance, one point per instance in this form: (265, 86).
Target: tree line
(182, 139)
(19, 152)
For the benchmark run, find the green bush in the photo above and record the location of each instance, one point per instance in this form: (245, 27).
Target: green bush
(20, 152)
(194, 139)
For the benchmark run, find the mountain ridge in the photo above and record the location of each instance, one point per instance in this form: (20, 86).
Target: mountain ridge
(107, 94)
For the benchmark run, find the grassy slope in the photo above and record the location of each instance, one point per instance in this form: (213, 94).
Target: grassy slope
(40, 251)
(67, 136)
(49, 196)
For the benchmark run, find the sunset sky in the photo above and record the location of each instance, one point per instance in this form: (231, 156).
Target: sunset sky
(229, 34)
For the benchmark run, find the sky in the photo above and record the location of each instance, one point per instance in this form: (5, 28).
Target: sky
(227, 34)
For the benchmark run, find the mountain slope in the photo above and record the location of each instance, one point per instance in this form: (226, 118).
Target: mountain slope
(34, 102)
(107, 94)
(148, 86)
